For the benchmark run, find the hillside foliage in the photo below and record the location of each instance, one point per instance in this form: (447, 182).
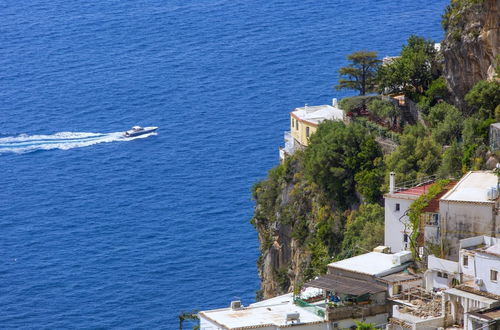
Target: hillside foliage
(328, 198)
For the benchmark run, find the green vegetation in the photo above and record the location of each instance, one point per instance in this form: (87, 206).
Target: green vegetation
(446, 123)
(325, 201)
(484, 98)
(365, 326)
(359, 75)
(364, 230)
(453, 21)
(342, 158)
(385, 110)
(417, 156)
(341, 167)
(413, 72)
(349, 104)
(415, 213)
(438, 91)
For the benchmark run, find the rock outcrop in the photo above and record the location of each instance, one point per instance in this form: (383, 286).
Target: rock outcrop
(471, 46)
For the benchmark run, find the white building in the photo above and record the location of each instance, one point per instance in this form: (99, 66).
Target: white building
(397, 203)
(463, 209)
(354, 290)
(480, 263)
(469, 209)
(271, 314)
(304, 122)
(371, 265)
(473, 298)
(441, 273)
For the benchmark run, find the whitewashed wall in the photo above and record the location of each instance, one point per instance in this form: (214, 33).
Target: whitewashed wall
(394, 229)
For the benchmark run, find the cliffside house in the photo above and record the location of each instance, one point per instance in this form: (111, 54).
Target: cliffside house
(468, 209)
(396, 206)
(304, 122)
(356, 289)
(478, 296)
(463, 294)
(270, 314)
(464, 209)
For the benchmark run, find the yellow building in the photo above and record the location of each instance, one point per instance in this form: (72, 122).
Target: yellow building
(304, 122)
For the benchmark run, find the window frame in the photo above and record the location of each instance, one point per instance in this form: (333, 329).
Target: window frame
(397, 207)
(494, 271)
(465, 261)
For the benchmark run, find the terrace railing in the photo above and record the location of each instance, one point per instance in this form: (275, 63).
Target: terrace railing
(414, 183)
(312, 308)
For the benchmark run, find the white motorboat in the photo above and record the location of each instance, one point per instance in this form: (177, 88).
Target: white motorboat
(138, 130)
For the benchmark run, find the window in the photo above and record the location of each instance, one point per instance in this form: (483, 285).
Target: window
(445, 275)
(493, 275)
(297, 125)
(405, 238)
(466, 261)
(439, 274)
(307, 131)
(293, 123)
(397, 206)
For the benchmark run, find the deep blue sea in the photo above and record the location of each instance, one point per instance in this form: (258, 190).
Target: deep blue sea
(101, 232)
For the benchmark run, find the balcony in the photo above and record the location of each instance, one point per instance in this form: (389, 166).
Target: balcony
(289, 147)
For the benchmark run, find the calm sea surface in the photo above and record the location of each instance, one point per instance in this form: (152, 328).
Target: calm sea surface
(98, 232)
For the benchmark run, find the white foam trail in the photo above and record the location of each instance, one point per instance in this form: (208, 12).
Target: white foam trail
(64, 140)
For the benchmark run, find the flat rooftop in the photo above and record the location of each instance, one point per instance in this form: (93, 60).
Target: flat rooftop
(473, 187)
(271, 312)
(317, 114)
(372, 263)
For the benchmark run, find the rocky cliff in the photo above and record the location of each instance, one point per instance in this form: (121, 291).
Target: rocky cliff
(471, 46)
(285, 218)
(304, 209)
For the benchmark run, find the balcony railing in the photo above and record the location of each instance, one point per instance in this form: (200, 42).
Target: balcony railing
(414, 183)
(355, 311)
(312, 308)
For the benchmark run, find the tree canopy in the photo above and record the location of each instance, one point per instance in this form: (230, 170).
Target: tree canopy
(337, 155)
(360, 73)
(413, 71)
(483, 98)
(364, 230)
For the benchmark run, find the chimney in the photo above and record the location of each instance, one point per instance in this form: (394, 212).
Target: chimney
(334, 103)
(392, 182)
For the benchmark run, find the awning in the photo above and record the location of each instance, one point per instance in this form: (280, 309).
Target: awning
(345, 285)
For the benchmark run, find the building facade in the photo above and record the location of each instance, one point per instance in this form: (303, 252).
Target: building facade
(304, 122)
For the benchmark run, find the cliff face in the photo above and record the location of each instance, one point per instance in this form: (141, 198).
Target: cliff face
(471, 45)
(305, 207)
(288, 216)
(280, 201)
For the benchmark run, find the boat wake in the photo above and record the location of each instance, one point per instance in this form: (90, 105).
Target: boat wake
(64, 140)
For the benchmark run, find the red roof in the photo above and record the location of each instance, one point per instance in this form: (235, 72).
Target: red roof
(433, 205)
(416, 191)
